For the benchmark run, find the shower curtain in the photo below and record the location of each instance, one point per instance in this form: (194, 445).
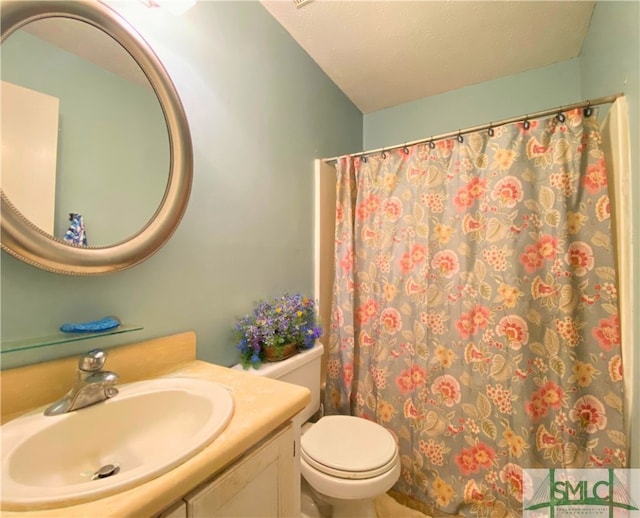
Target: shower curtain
(475, 310)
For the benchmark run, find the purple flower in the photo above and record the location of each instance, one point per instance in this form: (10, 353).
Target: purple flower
(284, 320)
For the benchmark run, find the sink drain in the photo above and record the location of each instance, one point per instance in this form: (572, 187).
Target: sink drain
(105, 471)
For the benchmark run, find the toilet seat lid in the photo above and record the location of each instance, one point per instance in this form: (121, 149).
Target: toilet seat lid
(349, 447)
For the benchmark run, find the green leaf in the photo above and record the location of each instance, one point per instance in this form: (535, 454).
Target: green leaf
(404, 433)
(539, 381)
(480, 270)
(606, 273)
(482, 161)
(463, 249)
(551, 341)
(418, 331)
(433, 425)
(466, 379)
(562, 151)
(556, 454)
(618, 438)
(601, 239)
(435, 297)
(422, 230)
(528, 175)
(484, 406)
(368, 386)
(434, 176)
(547, 198)
(496, 230)
(470, 410)
(538, 349)
(614, 401)
(534, 317)
(568, 299)
(557, 366)
(485, 290)
(552, 218)
(417, 459)
(420, 477)
(371, 402)
(475, 141)
(570, 453)
(489, 429)
(500, 369)
(364, 277)
(422, 351)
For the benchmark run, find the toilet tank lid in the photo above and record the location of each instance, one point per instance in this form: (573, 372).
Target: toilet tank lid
(276, 370)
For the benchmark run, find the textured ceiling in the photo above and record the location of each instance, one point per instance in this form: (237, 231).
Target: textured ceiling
(382, 54)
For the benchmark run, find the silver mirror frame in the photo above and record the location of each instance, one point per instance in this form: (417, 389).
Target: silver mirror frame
(23, 240)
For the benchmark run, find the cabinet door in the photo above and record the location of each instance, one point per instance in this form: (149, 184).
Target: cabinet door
(177, 510)
(260, 484)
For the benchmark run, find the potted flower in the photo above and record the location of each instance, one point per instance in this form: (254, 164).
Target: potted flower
(277, 329)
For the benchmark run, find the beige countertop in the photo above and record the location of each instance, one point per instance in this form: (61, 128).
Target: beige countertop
(261, 406)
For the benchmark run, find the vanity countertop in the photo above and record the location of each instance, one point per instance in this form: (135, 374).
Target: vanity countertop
(261, 406)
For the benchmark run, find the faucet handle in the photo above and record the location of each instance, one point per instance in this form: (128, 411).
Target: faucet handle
(92, 361)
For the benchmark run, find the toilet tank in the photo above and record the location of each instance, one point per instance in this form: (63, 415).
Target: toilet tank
(301, 369)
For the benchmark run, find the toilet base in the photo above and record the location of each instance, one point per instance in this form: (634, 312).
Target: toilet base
(315, 505)
(354, 508)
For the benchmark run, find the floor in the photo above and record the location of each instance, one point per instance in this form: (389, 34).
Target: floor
(387, 507)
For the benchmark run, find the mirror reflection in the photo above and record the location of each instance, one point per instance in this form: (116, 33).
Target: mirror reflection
(83, 132)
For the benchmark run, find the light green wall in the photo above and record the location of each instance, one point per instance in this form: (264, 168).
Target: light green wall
(503, 98)
(99, 112)
(260, 111)
(610, 63)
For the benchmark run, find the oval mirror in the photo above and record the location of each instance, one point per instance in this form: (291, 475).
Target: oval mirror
(58, 135)
(122, 162)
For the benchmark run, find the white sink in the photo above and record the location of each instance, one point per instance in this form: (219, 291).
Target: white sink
(147, 429)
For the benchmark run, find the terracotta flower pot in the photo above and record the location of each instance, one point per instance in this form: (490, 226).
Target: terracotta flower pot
(276, 354)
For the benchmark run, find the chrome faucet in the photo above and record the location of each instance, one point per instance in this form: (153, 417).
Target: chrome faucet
(91, 385)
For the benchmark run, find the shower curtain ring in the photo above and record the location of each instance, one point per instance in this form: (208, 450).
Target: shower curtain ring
(490, 131)
(588, 111)
(526, 124)
(431, 144)
(459, 137)
(405, 149)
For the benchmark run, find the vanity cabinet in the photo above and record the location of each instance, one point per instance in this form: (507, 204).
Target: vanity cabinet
(250, 469)
(177, 510)
(259, 484)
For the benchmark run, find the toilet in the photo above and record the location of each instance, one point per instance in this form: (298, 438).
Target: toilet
(345, 461)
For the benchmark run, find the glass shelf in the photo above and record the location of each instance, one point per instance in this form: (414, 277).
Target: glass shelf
(24, 344)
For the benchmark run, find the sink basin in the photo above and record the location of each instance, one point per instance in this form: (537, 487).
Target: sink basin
(147, 429)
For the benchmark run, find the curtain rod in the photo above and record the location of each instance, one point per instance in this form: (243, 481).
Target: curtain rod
(583, 104)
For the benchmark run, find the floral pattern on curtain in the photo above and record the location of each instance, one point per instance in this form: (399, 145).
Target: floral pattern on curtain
(475, 310)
